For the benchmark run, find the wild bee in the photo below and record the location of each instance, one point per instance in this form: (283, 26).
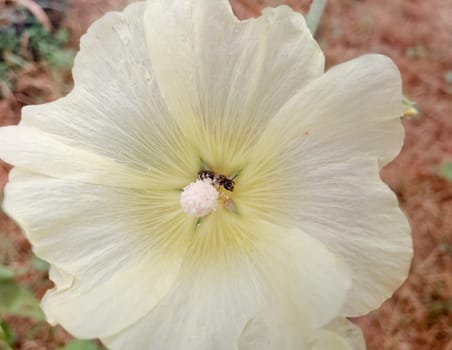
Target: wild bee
(217, 179)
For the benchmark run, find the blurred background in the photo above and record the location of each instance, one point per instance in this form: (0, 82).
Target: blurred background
(38, 41)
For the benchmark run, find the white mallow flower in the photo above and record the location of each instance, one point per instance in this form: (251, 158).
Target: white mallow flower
(207, 186)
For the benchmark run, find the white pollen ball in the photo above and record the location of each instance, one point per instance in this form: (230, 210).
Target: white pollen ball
(199, 198)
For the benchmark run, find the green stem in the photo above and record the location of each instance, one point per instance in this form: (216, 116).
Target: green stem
(314, 14)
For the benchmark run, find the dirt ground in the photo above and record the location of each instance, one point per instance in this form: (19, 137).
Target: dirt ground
(417, 35)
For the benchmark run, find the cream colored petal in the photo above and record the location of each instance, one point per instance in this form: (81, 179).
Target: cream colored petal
(225, 78)
(115, 252)
(326, 340)
(303, 273)
(349, 332)
(31, 149)
(354, 107)
(116, 109)
(348, 207)
(269, 333)
(222, 290)
(81, 227)
(112, 303)
(61, 279)
(203, 313)
(318, 165)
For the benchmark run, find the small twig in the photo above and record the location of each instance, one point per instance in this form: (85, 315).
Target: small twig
(315, 14)
(37, 11)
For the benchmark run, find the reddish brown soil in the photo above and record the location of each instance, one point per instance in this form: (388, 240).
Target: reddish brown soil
(417, 35)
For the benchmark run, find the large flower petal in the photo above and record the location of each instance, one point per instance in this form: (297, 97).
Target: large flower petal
(222, 290)
(318, 165)
(115, 111)
(323, 340)
(349, 331)
(115, 252)
(268, 332)
(113, 302)
(225, 78)
(39, 152)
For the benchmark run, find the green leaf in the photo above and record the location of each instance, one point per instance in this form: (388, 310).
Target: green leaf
(4, 71)
(16, 299)
(62, 36)
(80, 345)
(6, 335)
(445, 171)
(39, 264)
(6, 273)
(8, 40)
(4, 345)
(60, 58)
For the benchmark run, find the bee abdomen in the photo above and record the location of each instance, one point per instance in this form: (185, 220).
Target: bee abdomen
(217, 179)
